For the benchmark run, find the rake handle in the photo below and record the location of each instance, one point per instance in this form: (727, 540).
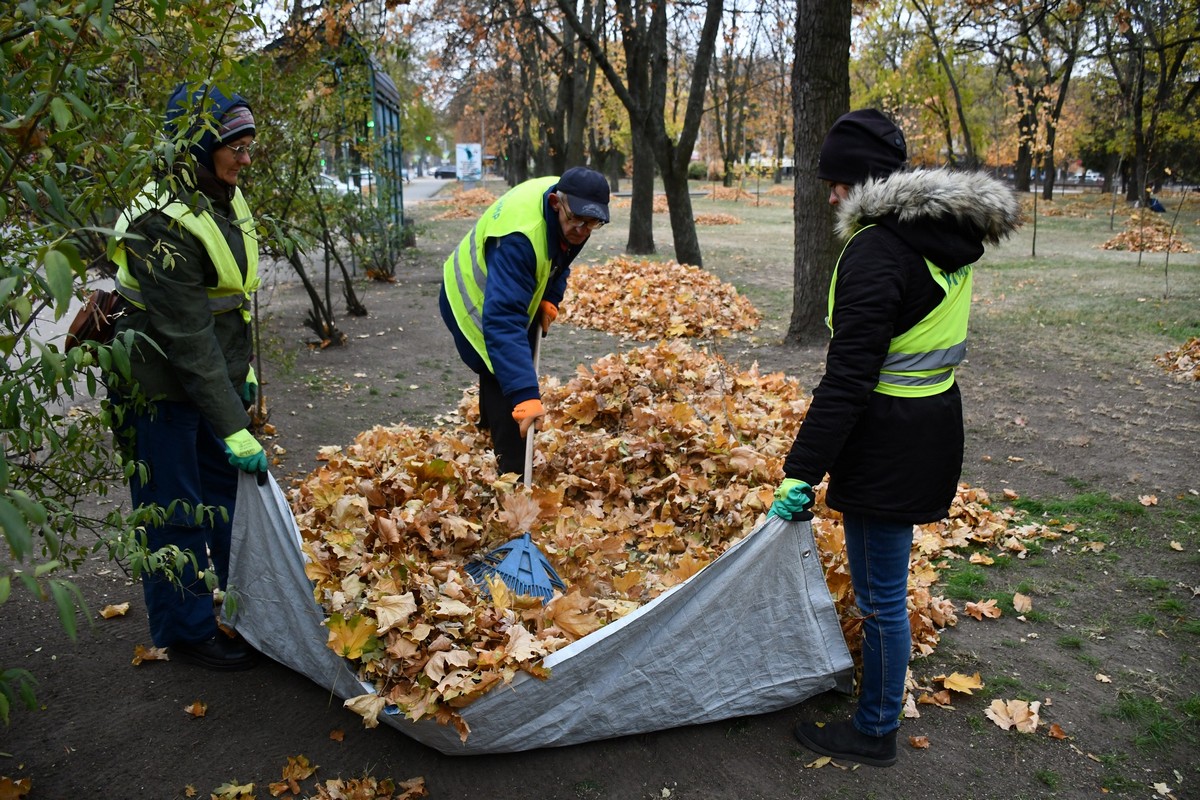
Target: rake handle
(537, 353)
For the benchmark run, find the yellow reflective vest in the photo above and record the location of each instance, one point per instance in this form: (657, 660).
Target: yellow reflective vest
(232, 290)
(920, 362)
(464, 274)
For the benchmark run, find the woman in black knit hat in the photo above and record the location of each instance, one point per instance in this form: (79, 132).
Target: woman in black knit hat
(885, 422)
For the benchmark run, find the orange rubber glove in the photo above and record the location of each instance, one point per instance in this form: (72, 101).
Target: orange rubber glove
(527, 412)
(549, 314)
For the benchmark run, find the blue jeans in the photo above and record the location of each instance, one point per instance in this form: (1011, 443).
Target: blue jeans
(187, 463)
(878, 552)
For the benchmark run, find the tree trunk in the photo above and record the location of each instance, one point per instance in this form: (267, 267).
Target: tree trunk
(641, 201)
(820, 94)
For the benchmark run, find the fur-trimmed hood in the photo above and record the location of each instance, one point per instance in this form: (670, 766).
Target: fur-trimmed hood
(946, 215)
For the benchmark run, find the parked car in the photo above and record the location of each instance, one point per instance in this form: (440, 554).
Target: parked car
(328, 183)
(445, 171)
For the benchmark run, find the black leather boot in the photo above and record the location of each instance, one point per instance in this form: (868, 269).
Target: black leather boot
(217, 652)
(843, 741)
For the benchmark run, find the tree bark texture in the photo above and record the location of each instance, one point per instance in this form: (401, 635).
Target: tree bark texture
(820, 94)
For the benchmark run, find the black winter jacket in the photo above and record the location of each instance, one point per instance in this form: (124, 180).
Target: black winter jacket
(894, 457)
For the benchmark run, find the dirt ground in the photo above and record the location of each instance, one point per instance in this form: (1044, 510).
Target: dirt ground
(1042, 421)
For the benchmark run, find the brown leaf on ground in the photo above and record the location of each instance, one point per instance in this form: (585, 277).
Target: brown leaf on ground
(298, 769)
(14, 789)
(965, 684)
(197, 708)
(141, 654)
(116, 610)
(918, 742)
(986, 608)
(1017, 714)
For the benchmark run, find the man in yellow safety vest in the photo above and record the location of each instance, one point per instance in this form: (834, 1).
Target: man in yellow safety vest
(509, 271)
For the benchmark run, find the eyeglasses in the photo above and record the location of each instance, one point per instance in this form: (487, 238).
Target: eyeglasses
(575, 221)
(242, 149)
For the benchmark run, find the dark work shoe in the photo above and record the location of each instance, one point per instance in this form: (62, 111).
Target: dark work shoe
(216, 652)
(843, 741)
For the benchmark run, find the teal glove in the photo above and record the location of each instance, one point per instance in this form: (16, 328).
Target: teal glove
(245, 452)
(250, 389)
(792, 500)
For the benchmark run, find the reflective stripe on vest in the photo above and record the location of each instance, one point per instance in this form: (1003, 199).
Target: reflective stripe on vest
(464, 274)
(920, 362)
(232, 291)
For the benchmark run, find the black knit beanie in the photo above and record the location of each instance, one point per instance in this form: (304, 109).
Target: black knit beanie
(861, 144)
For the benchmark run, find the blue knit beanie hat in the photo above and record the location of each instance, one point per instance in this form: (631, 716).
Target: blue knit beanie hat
(206, 106)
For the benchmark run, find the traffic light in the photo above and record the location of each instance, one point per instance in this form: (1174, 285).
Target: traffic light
(429, 138)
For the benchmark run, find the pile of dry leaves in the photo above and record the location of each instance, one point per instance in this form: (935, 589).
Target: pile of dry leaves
(1183, 362)
(644, 300)
(660, 204)
(735, 193)
(717, 219)
(465, 204)
(1149, 233)
(653, 462)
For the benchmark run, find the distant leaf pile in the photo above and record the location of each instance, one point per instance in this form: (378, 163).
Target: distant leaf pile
(645, 300)
(1183, 362)
(660, 204)
(652, 464)
(1149, 233)
(717, 219)
(729, 193)
(466, 204)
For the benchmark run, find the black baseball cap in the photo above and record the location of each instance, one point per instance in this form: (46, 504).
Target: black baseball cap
(586, 191)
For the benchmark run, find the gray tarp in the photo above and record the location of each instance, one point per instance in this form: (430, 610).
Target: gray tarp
(755, 631)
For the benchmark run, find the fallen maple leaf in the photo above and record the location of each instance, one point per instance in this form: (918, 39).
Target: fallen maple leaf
(298, 769)
(337, 734)
(919, 742)
(350, 638)
(367, 706)
(197, 708)
(234, 791)
(14, 790)
(987, 608)
(141, 653)
(117, 610)
(965, 684)
(1014, 714)
(1056, 732)
(1148, 500)
(1022, 604)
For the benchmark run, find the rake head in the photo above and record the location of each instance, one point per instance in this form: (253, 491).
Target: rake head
(522, 567)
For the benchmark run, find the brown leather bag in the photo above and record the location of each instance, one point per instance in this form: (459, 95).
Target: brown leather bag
(97, 320)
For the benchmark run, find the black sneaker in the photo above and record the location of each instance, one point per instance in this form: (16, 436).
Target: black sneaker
(843, 741)
(217, 652)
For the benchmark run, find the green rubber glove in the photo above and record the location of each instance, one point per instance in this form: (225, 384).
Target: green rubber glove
(250, 388)
(792, 500)
(245, 452)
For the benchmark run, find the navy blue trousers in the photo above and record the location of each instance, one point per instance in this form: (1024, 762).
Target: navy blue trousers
(188, 467)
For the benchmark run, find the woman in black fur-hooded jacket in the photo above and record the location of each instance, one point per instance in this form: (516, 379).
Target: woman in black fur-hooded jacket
(885, 421)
